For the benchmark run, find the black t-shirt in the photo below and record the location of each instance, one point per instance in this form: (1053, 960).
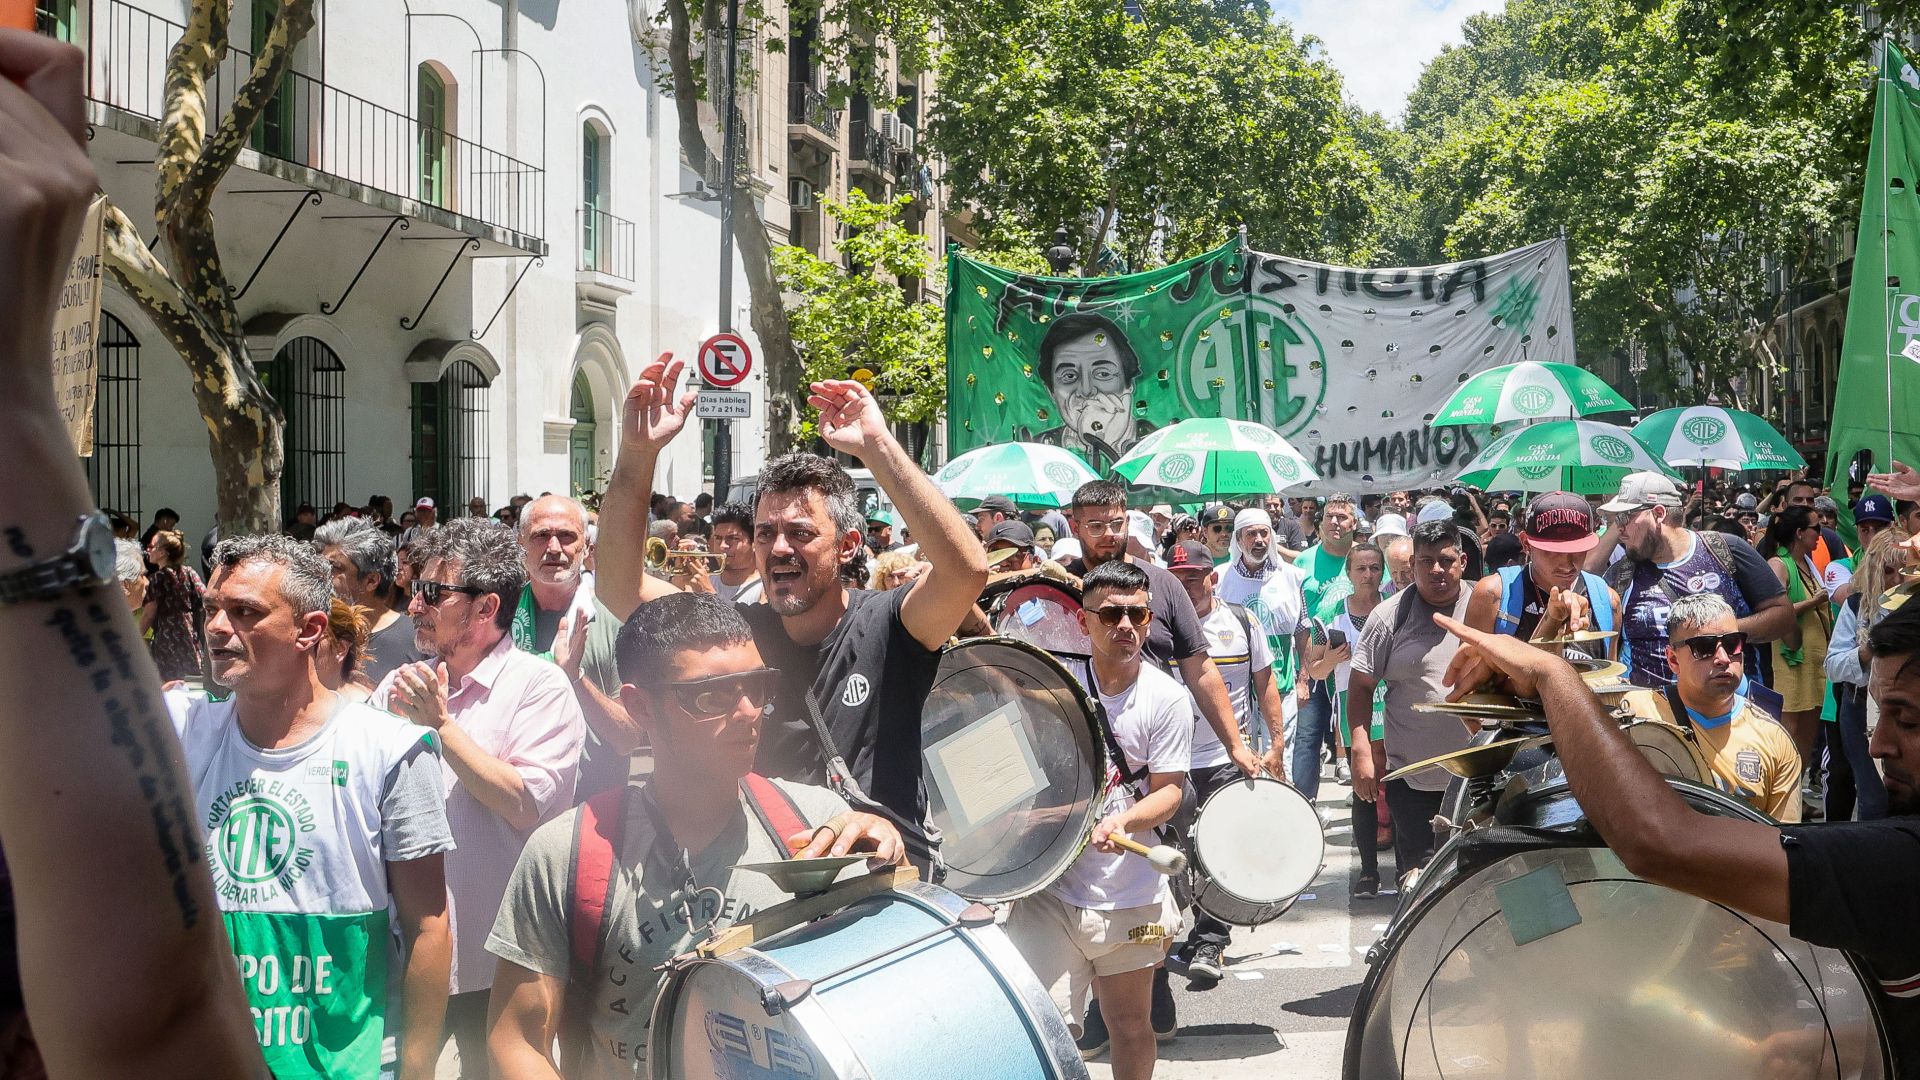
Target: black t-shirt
(390, 648)
(1175, 632)
(870, 679)
(1856, 886)
(1288, 534)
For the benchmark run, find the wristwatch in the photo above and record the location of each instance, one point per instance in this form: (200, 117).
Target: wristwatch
(86, 564)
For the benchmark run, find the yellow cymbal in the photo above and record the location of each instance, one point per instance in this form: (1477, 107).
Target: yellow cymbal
(1474, 761)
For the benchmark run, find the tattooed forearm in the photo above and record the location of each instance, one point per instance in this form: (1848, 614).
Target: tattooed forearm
(100, 653)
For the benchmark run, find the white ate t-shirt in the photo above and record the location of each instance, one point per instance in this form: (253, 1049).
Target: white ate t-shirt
(1152, 722)
(1227, 644)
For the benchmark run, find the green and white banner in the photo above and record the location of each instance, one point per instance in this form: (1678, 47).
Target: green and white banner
(1348, 364)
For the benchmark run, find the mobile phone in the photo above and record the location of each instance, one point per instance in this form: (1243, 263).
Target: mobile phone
(1859, 467)
(1335, 639)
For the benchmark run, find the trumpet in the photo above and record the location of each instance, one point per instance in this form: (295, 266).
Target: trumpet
(659, 557)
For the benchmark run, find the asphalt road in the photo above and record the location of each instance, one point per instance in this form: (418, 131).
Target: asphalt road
(1290, 985)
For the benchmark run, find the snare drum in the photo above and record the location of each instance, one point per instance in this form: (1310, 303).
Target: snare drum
(915, 984)
(1533, 952)
(1255, 846)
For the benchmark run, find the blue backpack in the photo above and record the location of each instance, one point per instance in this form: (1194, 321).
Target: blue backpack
(1513, 600)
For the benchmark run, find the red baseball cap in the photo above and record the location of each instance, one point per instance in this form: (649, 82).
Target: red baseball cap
(1560, 521)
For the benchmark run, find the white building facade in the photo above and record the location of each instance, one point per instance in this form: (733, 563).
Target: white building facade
(460, 231)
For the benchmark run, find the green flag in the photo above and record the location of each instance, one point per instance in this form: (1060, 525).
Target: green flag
(1877, 403)
(1089, 364)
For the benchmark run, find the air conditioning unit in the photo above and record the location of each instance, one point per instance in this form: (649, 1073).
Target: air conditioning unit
(890, 127)
(800, 193)
(905, 139)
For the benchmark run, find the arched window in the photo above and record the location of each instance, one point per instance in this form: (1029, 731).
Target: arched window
(310, 383)
(434, 120)
(595, 183)
(580, 459)
(113, 472)
(450, 454)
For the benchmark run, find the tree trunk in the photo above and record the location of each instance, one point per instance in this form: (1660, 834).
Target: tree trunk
(194, 309)
(753, 244)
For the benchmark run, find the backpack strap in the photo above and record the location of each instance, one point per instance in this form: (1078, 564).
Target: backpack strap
(1512, 600)
(597, 836)
(1598, 600)
(1716, 543)
(1246, 630)
(779, 815)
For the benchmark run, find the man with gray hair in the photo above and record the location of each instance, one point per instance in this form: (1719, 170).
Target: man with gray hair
(1751, 756)
(361, 555)
(319, 814)
(558, 618)
(509, 727)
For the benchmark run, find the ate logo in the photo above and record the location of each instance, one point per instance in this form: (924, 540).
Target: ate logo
(254, 838)
(1612, 449)
(1250, 358)
(856, 690)
(1533, 400)
(1703, 430)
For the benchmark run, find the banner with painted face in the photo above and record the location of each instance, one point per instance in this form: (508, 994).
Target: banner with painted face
(1349, 364)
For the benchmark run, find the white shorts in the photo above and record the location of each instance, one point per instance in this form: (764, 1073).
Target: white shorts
(1068, 946)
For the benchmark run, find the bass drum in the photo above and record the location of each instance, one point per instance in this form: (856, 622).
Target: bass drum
(1013, 756)
(909, 983)
(1257, 844)
(1042, 611)
(1527, 950)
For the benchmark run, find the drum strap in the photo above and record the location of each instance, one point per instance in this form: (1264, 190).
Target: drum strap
(921, 839)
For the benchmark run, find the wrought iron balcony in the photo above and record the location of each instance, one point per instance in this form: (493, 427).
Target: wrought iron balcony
(606, 243)
(808, 105)
(322, 127)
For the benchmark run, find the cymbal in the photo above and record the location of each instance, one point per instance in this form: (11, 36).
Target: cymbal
(1487, 706)
(1578, 637)
(1600, 672)
(1473, 762)
(803, 876)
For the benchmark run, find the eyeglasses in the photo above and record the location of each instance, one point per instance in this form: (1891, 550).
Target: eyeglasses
(1219, 526)
(1113, 613)
(1706, 645)
(436, 591)
(716, 696)
(1102, 528)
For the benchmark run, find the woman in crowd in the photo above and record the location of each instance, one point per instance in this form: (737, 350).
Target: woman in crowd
(175, 607)
(1854, 788)
(1329, 656)
(892, 569)
(1799, 671)
(347, 632)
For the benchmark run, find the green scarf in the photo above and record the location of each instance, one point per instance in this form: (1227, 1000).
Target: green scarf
(524, 620)
(1796, 594)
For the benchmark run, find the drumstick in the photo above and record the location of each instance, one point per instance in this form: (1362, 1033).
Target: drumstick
(1167, 860)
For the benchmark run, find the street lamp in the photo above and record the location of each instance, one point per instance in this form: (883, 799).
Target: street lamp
(1060, 255)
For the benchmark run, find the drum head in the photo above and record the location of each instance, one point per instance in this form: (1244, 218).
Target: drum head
(1259, 840)
(1044, 612)
(1668, 749)
(1013, 761)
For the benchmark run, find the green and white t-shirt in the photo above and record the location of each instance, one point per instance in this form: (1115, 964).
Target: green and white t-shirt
(298, 839)
(1326, 581)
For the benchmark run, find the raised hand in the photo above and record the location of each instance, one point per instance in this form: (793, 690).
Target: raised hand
(850, 419)
(652, 414)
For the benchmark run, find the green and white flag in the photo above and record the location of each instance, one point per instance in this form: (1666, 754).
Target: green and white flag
(1349, 365)
(1717, 437)
(1876, 405)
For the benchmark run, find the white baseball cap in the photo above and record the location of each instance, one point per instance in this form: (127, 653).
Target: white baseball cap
(1438, 510)
(1389, 525)
(1643, 489)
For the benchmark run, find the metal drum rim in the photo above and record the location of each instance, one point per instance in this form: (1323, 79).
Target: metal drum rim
(1095, 729)
(1319, 860)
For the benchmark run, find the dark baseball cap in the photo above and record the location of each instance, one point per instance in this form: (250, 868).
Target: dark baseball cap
(1217, 514)
(1017, 533)
(1190, 555)
(996, 504)
(1560, 521)
(1874, 508)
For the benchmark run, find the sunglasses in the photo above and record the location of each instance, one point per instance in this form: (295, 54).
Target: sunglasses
(716, 696)
(1706, 645)
(1218, 527)
(436, 591)
(1102, 528)
(1113, 613)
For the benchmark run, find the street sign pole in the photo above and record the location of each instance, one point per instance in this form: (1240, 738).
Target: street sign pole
(729, 141)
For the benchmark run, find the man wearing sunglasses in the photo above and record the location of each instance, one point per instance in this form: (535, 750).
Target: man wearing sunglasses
(510, 731)
(1216, 529)
(1106, 923)
(671, 847)
(1845, 885)
(865, 660)
(1751, 755)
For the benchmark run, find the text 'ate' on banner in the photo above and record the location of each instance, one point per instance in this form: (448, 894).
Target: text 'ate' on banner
(1349, 364)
